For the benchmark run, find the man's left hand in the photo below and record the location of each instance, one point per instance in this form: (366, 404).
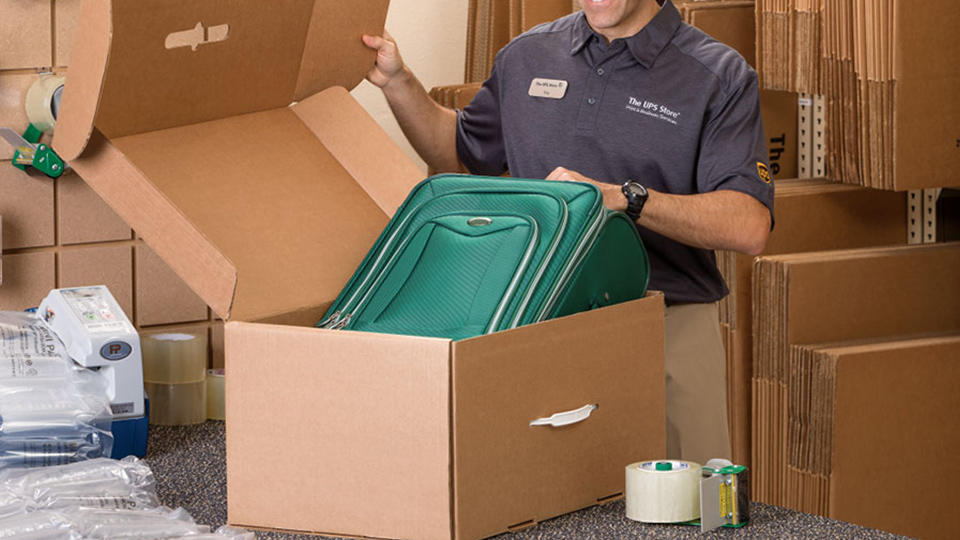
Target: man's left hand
(613, 197)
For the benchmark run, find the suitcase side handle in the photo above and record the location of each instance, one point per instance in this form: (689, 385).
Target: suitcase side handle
(566, 418)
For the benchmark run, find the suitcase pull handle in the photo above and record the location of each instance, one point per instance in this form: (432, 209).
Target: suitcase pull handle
(567, 417)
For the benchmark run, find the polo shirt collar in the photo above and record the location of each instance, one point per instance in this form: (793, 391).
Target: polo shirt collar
(646, 45)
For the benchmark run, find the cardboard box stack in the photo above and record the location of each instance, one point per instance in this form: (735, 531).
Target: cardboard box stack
(455, 96)
(811, 215)
(888, 71)
(265, 209)
(859, 414)
(867, 298)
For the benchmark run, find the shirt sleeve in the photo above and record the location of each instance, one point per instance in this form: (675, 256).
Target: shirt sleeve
(733, 146)
(480, 143)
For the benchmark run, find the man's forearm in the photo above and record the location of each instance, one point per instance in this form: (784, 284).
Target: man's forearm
(429, 127)
(721, 219)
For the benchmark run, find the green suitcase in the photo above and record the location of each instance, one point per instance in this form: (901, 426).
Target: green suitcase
(468, 255)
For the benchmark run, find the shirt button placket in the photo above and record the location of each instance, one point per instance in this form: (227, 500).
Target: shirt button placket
(590, 107)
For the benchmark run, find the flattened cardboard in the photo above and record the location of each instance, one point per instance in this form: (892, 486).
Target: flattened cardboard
(732, 23)
(865, 313)
(836, 296)
(812, 215)
(890, 115)
(897, 401)
(534, 12)
(859, 407)
(111, 266)
(27, 277)
(83, 216)
(26, 203)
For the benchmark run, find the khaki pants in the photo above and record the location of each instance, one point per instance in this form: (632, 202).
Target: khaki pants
(696, 384)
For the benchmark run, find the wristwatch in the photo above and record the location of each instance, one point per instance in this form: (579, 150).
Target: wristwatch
(636, 196)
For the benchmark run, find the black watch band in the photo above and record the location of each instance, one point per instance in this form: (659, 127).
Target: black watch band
(636, 196)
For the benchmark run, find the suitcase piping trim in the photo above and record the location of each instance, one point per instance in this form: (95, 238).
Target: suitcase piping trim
(350, 307)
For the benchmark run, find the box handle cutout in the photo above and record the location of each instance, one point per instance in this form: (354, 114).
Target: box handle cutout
(196, 36)
(567, 417)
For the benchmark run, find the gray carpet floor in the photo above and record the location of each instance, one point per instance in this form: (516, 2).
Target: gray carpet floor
(190, 468)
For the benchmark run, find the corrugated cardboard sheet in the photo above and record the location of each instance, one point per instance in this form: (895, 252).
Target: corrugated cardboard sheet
(889, 72)
(811, 215)
(865, 295)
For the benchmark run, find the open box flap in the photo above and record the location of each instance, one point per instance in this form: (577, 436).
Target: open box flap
(224, 59)
(261, 208)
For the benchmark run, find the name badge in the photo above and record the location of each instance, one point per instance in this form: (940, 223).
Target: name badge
(548, 88)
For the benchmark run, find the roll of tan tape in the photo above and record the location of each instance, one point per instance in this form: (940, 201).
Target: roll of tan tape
(174, 358)
(216, 392)
(43, 101)
(665, 491)
(177, 404)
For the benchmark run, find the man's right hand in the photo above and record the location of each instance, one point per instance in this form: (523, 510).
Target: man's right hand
(430, 128)
(389, 64)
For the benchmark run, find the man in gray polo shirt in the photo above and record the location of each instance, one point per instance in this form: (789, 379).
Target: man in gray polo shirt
(665, 120)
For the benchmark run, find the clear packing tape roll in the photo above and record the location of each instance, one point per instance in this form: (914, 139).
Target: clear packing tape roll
(666, 491)
(42, 102)
(174, 358)
(174, 376)
(216, 394)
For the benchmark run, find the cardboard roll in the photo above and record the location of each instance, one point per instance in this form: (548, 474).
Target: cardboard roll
(43, 101)
(666, 491)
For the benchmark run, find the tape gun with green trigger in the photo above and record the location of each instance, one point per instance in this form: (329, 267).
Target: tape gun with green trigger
(724, 495)
(30, 152)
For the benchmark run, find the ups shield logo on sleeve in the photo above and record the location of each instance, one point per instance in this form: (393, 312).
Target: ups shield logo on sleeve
(764, 172)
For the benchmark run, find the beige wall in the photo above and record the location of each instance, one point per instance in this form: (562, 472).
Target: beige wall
(432, 36)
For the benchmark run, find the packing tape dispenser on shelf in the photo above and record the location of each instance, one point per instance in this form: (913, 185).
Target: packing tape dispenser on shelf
(42, 102)
(683, 492)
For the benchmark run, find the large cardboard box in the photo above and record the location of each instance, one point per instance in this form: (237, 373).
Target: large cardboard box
(265, 209)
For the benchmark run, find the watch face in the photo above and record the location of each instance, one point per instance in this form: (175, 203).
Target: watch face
(636, 189)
